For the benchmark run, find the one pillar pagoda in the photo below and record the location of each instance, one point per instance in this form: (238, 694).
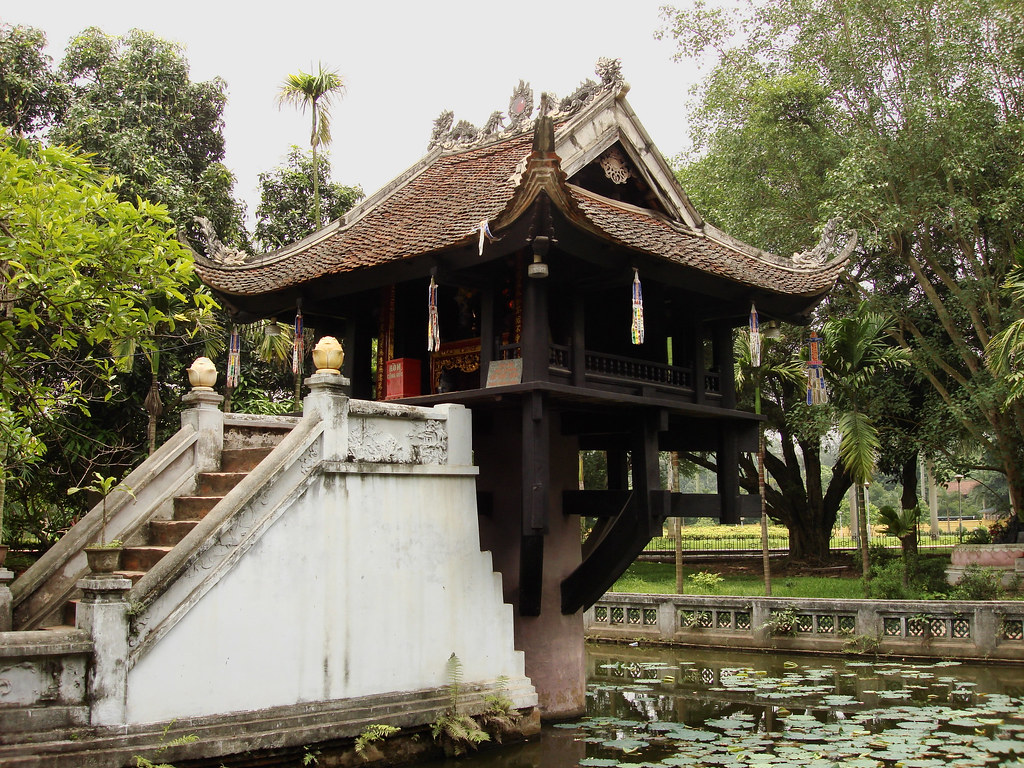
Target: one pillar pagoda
(548, 272)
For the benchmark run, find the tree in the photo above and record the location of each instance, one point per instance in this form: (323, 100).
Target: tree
(287, 209)
(316, 92)
(30, 93)
(133, 104)
(921, 110)
(80, 271)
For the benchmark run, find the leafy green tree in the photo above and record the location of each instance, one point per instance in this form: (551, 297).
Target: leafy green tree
(80, 272)
(315, 91)
(917, 125)
(287, 209)
(30, 93)
(133, 104)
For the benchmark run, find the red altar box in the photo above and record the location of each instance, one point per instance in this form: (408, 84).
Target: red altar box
(403, 378)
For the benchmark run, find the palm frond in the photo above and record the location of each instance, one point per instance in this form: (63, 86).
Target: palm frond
(858, 445)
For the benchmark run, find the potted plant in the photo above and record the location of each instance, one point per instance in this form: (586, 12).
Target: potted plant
(105, 556)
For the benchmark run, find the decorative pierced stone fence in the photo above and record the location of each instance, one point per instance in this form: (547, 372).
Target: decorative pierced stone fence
(933, 628)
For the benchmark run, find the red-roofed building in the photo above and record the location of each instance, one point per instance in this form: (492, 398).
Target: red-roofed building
(534, 233)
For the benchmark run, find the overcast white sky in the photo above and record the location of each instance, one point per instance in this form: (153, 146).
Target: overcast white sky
(403, 61)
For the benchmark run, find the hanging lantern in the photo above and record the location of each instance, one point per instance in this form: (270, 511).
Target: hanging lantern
(637, 330)
(234, 373)
(433, 326)
(755, 338)
(817, 394)
(297, 345)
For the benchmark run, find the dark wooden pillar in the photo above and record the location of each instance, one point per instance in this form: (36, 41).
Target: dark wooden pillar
(699, 366)
(579, 341)
(535, 329)
(728, 458)
(486, 332)
(536, 487)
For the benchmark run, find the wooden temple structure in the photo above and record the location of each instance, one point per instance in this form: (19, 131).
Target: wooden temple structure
(521, 249)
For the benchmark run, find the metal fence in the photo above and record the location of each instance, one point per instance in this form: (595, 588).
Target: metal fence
(747, 538)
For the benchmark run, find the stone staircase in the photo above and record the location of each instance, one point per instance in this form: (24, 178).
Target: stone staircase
(161, 536)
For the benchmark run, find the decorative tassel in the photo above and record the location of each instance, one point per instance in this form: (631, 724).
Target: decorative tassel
(297, 345)
(234, 358)
(485, 232)
(817, 394)
(433, 326)
(755, 338)
(638, 310)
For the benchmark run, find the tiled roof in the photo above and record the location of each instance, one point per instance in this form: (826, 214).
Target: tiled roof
(651, 234)
(442, 205)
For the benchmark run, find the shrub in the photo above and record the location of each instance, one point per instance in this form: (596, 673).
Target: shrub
(706, 581)
(978, 583)
(978, 535)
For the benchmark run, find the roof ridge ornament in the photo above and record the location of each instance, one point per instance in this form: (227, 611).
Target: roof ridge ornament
(465, 135)
(215, 249)
(832, 245)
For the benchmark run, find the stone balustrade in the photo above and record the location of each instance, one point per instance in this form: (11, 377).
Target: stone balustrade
(933, 628)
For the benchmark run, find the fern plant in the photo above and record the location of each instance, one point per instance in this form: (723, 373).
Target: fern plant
(367, 740)
(500, 718)
(455, 732)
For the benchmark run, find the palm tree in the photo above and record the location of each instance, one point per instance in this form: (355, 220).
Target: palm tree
(856, 349)
(316, 92)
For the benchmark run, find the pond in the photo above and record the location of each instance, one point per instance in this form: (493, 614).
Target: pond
(685, 707)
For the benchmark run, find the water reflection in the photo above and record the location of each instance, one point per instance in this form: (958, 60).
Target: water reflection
(681, 707)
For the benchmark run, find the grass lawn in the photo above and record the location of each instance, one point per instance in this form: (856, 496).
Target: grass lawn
(660, 578)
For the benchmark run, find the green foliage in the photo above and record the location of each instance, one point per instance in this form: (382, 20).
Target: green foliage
(133, 104)
(310, 756)
(287, 211)
(455, 732)
(905, 120)
(979, 583)
(61, 318)
(30, 93)
(315, 91)
(500, 718)
(372, 734)
(705, 581)
(781, 622)
(143, 762)
(978, 536)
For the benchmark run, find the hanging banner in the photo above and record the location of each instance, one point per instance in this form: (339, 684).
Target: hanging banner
(485, 233)
(433, 326)
(637, 330)
(755, 338)
(297, 345)
(234, 358)
(817, 394)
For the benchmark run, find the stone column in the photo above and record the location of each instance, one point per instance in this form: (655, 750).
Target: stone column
(204, 415)
(327, 398)
(6, 602)
(103, 614)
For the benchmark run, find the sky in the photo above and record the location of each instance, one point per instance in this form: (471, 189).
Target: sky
(403, 63)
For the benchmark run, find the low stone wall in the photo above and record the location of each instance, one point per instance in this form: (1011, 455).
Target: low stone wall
(933, 628)
(43, 680)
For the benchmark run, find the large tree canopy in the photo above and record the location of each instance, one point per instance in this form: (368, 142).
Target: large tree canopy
(287, 210)
(905, 117)
(30, 93)
(133, 104)
(71, 257)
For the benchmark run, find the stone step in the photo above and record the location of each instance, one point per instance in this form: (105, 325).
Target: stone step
(217, 483)
(242, 459)
(142, 558)
(194, 507)
(167, 533)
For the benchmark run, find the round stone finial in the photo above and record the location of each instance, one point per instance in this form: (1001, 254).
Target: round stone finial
(202, 374)
(328, 356)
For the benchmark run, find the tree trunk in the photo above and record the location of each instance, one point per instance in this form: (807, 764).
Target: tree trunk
(933, 499)
(677, 523)
(862, 525)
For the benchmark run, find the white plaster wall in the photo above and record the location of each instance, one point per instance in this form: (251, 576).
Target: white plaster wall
(365, 585)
